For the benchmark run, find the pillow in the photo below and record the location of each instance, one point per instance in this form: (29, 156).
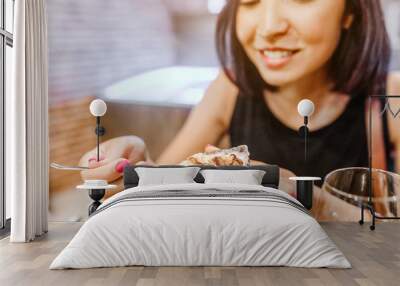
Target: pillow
(248, 177)
(162, 176)
(270, 179)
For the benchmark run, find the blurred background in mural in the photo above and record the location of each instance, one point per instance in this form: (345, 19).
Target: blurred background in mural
(149, 60)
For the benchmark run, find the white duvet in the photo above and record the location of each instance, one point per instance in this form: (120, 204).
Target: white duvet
(203, 231)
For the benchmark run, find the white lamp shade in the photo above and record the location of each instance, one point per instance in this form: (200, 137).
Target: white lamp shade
(98, 107)
(305, 108)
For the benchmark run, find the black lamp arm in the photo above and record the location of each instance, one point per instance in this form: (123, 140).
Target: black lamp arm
(305, 138)
(100, 131)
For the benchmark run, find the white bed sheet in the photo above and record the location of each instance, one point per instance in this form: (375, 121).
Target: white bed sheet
(200, 232)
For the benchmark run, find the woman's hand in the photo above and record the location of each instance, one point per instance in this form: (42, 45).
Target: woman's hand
(115, 154)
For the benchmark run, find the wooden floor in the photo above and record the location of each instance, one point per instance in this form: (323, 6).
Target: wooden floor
(375, 257)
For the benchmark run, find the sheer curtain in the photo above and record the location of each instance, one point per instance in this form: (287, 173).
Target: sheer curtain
(27, 123)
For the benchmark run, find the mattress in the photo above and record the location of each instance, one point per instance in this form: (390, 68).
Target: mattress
(201, 225)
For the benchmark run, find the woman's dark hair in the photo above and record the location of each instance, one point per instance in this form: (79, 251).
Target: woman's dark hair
(359, 66)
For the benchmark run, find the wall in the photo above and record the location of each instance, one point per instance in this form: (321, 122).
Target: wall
(392, 14)
(94, 43)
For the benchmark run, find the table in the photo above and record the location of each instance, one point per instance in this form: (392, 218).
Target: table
(304, 189)
(97, 191)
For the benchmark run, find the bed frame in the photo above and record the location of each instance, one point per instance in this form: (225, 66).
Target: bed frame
(270, 179)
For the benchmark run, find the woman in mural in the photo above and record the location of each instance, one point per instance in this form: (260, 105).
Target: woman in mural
(273, 54)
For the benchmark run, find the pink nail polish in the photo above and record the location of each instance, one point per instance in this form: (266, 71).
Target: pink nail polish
(121, 165)
(95, 159)
(92, 159)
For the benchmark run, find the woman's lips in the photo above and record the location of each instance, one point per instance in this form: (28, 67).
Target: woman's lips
(276, 58)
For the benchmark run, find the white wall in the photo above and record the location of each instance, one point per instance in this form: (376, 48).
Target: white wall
(392, 15)
(94, 43)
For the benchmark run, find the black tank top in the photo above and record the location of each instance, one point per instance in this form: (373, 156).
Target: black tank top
(341, 144)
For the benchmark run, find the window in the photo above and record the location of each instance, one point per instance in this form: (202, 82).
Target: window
(6, 43)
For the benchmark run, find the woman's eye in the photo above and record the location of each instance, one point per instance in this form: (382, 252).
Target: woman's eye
(303, 1)
(249, 2)
(253, 2)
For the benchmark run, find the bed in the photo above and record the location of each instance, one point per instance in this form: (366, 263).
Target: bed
(201, 224)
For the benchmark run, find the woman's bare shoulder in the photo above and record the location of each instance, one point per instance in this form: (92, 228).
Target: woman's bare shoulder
(206, 124)
(221, 97)
(224, 84)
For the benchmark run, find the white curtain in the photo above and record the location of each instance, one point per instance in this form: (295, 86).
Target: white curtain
(27, 123)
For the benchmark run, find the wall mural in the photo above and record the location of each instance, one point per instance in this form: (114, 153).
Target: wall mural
(152, 61)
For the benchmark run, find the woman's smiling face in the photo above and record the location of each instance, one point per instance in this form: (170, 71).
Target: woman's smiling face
(288, 40)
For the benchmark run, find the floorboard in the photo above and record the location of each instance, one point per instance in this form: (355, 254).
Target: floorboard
(375, 257)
